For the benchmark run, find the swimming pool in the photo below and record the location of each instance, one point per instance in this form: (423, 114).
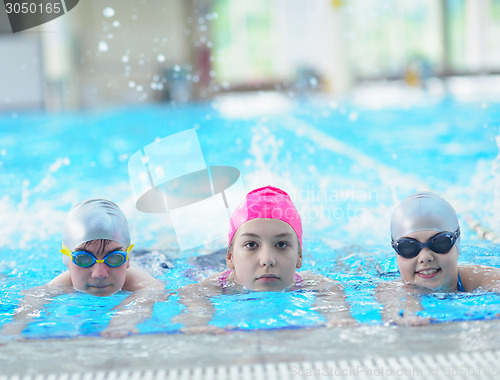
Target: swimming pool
(345, 164)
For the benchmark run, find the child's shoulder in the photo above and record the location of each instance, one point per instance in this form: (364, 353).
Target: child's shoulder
(479, 276)
(139, 279)
(64, 279)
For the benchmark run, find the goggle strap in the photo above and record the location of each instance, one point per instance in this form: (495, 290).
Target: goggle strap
(65, 251)
(128, 250)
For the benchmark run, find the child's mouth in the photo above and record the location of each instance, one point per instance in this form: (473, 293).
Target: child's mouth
(428, 273)
(268, 278)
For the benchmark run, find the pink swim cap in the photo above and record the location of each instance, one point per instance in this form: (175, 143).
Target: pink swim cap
(268, 203)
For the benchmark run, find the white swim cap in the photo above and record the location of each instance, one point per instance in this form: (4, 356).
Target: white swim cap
(95, 219)
(423, 211)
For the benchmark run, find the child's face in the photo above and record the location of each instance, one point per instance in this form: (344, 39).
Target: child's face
(264, 255)
(99, 279)
(430, 269)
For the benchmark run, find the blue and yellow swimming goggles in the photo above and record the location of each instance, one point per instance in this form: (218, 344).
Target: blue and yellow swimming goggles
(85, 259)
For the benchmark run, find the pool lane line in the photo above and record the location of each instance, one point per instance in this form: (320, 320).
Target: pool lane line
(386, 173)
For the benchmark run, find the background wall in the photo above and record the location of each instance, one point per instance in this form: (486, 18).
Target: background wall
(124, 51)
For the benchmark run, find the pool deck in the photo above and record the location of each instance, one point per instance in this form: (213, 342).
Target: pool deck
(179, 351)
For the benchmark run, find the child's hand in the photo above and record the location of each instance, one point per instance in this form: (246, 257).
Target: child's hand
(119, 330)
(207, 329)
(344, 322)
(408, 319)
(13, 330)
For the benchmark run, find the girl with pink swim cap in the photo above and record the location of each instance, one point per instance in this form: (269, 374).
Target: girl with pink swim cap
(264, 250)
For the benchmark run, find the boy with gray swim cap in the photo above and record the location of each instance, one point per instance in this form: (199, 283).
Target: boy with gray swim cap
(96, 247)
(425, 233)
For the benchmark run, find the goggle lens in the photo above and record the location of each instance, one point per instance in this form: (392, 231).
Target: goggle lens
(115, 259)
(440, 243)
(407, 249)
(85, 259)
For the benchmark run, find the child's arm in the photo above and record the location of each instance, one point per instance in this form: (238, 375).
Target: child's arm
(330, 300)
(400, 304)
(199, 309)
(29, 307)
(137, 307)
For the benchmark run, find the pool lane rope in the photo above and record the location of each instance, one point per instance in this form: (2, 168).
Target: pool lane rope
(481, 231)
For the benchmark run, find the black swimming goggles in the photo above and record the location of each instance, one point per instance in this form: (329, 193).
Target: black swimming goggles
(440, 243)
(85, 259)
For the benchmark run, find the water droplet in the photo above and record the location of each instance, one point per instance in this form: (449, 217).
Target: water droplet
(125, 59)
(116, 24)
(160, 58)
(131, 84)
(103, 46)
(108, 12)
(177, 68)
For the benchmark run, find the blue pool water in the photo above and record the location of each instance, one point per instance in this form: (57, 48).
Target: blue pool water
(345, 165)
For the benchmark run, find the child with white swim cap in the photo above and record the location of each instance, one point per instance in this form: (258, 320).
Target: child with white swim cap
(96, 247)
(264, 251)
(425, 233)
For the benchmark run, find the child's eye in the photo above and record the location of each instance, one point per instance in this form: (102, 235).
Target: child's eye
(282, 244)
(251, 245)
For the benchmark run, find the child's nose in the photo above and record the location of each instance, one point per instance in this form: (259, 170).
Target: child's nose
(425, 255)
(267, 256)
(100, 270)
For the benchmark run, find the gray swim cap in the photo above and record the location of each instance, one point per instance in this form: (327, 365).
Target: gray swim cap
(95, 219)
(423, 211)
